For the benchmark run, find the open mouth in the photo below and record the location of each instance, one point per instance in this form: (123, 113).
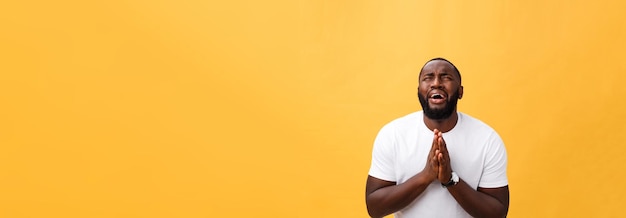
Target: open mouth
(437, 96)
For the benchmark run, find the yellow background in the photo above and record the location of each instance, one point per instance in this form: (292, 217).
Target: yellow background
(269, 108)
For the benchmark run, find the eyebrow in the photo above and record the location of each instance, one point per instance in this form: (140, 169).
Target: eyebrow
(444, 73)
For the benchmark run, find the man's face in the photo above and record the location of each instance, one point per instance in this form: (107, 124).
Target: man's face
(439, 89)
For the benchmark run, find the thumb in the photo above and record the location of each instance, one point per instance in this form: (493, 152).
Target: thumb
(442, 168)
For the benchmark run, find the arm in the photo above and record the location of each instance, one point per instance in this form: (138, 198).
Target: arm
(484, 202)
(385, 197)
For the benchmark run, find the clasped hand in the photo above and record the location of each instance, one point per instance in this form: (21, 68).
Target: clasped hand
(438, 162)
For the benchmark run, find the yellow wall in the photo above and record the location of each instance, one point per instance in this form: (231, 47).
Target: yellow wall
(269, 108)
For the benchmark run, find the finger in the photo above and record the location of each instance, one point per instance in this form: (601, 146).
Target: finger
(442, 160)
(433, 168)
(441, 169)
(444, 152)
(442, 145)
(436, 137)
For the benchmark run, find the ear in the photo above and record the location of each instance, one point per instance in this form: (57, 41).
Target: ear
(460, 92)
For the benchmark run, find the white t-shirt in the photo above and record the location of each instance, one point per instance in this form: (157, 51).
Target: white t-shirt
(477, 155)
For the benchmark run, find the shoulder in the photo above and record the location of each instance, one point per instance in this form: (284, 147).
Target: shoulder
(481, 132)
(401, 125)
(409, 119)
(472, 123)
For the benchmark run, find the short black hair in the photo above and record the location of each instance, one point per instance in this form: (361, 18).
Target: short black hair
(442, 59)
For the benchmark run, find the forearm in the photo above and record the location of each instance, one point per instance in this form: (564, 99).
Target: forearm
(388, 200)
(476, 203)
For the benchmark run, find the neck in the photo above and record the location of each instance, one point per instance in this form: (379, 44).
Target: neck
(443, 125)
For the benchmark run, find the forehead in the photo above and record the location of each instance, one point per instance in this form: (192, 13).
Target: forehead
(438, 66)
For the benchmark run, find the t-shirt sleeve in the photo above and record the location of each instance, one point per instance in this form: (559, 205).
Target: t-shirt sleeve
(494, 173)
(382, 166)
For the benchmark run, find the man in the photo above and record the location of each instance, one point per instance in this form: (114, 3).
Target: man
(438, 162)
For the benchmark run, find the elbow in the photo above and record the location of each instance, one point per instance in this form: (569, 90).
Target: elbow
(372, 211)
(495, 214)
(488, 212)
(500, 215)
(503, 213)
(374, 214)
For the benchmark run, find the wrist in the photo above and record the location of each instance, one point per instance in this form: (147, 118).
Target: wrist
(454, 179)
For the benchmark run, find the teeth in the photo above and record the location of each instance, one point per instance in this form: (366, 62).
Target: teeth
(436, 96)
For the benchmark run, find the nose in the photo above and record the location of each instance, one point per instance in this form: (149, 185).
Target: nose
(436, 84)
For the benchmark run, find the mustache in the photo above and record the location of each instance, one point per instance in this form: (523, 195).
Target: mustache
(439, 114)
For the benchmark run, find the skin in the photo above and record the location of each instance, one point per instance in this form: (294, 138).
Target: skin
(387, 197)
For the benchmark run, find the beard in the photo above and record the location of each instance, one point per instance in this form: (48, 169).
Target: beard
(439, 114)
